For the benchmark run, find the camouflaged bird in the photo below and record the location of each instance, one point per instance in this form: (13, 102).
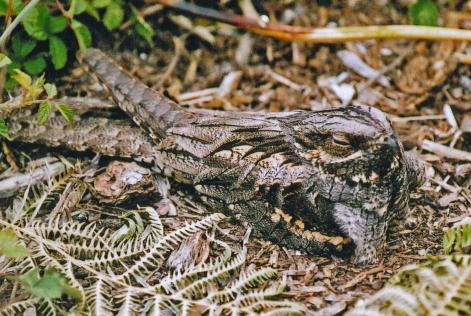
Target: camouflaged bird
(313, 181)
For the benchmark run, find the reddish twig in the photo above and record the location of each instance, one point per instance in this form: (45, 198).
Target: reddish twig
(321, 35)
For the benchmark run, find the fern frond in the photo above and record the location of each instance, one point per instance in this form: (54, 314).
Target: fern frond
(153, 259)
(254, 297)
(68, 271)
(54, 185)
(242, 285)
(19, 307)
(71, 232)
(156, 229)
(458, 239)
(129, 231)
(390, 300)
(100, 298)
(128, 303)
(180, 279)
(105, 290)
(35, 196)
(198, 287)
(47, 308)
(253, 279)
(440, 286)
(161, 305)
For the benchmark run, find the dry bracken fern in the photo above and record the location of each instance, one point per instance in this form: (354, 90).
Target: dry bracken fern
(441, 286)
(126, 273)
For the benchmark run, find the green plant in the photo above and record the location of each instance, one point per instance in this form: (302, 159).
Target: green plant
(45, 28)
(458, 239)
(424, 12)
(39, 38)
(31, 91)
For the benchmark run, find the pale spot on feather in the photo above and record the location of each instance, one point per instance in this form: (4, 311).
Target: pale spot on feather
(382, 210)
(275, 218)
(354, 156)
(299, 223)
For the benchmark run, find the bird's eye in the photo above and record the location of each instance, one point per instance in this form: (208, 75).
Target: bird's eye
(341, 140)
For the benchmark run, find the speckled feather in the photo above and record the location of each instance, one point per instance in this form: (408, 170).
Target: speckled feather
(314, 181)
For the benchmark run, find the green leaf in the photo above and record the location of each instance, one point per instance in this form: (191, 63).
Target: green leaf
(10, 84)
(30, 278)
(142, 28)
(78, 7)
(83, 35)
(4, 60)
(424, 12)
(14, 65)
(49, 286)
(66, 112)
(35, 65)
(4, 129)
(9, 246)
(93, 12)
(37, 87)
(51, 90)
(36, 23)
(57, 24)
(99, 4)
(22, 78)
(22, 47)
(45, 109)
(58, 52)
(114, 16)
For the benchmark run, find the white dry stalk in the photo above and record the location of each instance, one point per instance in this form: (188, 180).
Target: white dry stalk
(285, 81)
(11, 185)
(446, 151)
(418, 118)
(229, 83)
(185, 97)
(354, 62)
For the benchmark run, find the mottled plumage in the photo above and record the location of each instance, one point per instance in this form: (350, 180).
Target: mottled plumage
(312, 181)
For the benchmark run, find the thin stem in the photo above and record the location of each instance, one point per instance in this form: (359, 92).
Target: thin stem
(321, 35)
(16, 21)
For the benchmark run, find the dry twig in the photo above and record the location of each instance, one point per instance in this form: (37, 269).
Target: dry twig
(321, 35)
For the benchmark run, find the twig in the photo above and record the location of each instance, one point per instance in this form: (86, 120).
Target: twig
(443, 184)
(361, 277)
(464, 58)
(143, 13)
(321, 35)
(285, 81)
(396, 62)
(446, 151)
(418, 118)
(8, 187)
(179, 47)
